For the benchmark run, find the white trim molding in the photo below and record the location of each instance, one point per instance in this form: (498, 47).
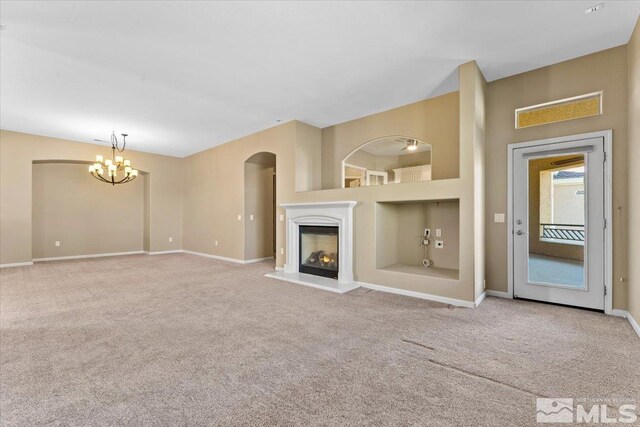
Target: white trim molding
(634, 323)
(224, 258)
(16, 264)
(499, 294)
(480, 298)
(62, 258)
(625, 314)
(337, 214)
(421, 295)
(253, 261)
(177, 251)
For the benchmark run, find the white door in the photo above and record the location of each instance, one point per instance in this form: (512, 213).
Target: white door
(558, 223)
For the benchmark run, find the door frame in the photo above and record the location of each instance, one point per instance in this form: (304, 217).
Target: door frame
(607, 136)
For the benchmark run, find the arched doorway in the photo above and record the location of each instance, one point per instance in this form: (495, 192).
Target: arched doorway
(260, 207)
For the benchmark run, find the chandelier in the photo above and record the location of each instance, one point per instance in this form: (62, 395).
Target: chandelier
(118, 168)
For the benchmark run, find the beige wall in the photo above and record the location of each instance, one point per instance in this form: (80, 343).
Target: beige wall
(308, 157)
(84, 215)
(434, 121)
(214, 185)
(17, 153)
(606, 71)
(634, 173)
(193, 196)
(211, 205)
(401, 228)
(258, 202)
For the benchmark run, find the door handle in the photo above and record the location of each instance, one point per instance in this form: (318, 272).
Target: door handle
(519, 232)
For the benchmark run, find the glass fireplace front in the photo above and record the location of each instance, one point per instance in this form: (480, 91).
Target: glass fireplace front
(319, 250)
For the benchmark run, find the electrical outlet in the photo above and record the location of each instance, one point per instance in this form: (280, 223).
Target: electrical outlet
(438, 232)
(498, 217)
(251, 217)
(215, 243)
(239, 217)
(439, 244)
(57, 243)
(281, 217)
(170, 239)
(281, 251)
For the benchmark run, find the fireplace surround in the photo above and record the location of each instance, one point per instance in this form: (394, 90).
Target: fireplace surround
(338, 216)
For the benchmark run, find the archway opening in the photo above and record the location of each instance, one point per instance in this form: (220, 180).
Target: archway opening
(260, 206)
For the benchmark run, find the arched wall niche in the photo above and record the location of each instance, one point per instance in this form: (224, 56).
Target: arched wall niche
(72, 213)
(392, 159)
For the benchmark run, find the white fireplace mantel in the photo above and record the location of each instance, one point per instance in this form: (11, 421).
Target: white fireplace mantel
(336, 214)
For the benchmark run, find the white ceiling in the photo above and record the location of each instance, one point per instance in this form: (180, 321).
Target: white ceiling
(180, 77)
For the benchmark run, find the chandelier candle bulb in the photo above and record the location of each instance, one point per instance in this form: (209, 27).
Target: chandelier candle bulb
(118, 168)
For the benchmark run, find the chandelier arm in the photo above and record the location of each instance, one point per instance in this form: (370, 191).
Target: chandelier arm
(99, 177)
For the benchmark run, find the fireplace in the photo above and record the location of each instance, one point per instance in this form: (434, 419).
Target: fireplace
(318, 250)
(314, 227)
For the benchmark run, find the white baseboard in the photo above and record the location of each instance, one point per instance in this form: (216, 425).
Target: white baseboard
(177, 251)
(421, 295)
(619, 313)
(252, 261)
(61, 258)
(224, 258)
(498, 294)
(634, 323)
(480, 298)
(16, 264)
(625, 314)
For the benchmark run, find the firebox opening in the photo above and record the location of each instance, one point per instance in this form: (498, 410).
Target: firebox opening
(319, 250)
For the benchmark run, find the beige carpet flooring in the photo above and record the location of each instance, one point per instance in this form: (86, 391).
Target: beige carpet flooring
(183, 340)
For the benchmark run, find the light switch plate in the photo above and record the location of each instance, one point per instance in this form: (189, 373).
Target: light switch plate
(281, 217)
(438, 232)
(170, 239)
(215, 243)
(251, 217)
(57, 243)
(239, 217)
(498, 217)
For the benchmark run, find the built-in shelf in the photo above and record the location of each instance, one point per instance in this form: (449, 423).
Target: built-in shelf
(400, 228)
(442, 273)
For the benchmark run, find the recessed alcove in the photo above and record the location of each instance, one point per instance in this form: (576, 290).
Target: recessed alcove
(400, 231)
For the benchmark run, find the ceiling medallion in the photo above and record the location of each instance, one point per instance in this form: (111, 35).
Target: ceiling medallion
(118, 168)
